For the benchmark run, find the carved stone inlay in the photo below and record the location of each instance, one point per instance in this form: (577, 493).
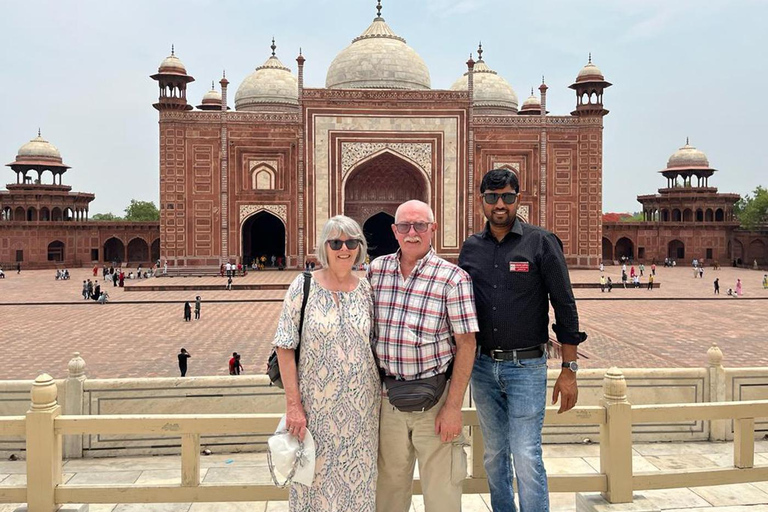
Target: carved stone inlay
(523, 212)
(419, 153)
(280, 210)
(509, 165)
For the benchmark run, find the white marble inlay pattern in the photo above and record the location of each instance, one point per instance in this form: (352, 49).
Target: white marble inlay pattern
(280, 210)
(419, 153)
(523, 212)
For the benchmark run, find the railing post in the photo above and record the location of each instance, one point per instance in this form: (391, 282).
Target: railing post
(744, 443)
(43, 446)
(190, 460)
(73, 403)
(717, 428)
(616, 438)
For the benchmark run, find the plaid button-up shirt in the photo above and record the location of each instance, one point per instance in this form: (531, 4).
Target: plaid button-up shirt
(416, 317)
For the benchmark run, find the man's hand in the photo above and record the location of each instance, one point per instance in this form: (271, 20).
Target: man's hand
(567, 389)
(448, 423)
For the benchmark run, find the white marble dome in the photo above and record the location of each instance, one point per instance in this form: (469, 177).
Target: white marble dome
(39, 149)
(589, 72)
(532, 102)
(272, 83)
(688, 156)
(212, 97)
(490, 90)
(378, 59)
(172, 64)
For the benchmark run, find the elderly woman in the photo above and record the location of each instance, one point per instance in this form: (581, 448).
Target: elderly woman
(335, 392)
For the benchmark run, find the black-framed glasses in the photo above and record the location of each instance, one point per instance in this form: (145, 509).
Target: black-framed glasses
(507, 197)
(405, 227)
(352, 244)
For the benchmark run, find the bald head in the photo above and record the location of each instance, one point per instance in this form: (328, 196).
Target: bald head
(414, 207)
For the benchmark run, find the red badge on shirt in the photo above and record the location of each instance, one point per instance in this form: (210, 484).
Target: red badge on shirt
(518, 266)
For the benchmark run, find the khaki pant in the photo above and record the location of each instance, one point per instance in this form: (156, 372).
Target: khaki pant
(405, 437)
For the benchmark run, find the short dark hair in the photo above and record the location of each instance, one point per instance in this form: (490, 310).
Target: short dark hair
(499, 178)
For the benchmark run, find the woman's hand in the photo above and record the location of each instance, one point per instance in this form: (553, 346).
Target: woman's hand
(295, 420)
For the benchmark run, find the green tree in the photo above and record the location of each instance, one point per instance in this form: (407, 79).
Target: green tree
(141, 211)
(105, 217)
(752, 211)
(635, 217)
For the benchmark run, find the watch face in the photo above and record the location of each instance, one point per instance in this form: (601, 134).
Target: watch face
(574, 366)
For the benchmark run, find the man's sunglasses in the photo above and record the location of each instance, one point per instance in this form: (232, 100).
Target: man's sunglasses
(351, 244)
(405, 227)
(507, 197)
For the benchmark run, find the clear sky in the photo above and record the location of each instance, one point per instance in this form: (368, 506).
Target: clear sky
(79, 70)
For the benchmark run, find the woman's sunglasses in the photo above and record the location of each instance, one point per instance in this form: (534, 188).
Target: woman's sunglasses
(507, 197)
(351, 244)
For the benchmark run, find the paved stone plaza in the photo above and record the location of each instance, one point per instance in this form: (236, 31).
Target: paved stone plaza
(139, 333)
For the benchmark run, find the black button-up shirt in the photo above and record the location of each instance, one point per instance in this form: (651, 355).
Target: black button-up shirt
(513, 281)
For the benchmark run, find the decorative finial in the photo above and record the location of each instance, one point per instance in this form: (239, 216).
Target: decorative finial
(480, 51)
(273, 46)
(223, 73)
(378, 9)
(531, 91)
(299, 50)
(590, 57)
(686, 141)
(213, 87)
(173, 50)
(542, 79)
(38, 132)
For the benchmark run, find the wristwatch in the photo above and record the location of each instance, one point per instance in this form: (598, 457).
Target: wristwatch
(572, 365)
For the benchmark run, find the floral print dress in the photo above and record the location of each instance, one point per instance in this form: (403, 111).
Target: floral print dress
(341, 394)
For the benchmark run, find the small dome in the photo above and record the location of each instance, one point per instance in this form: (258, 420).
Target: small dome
(270, 84)
(532, 102)
(489, 89)
(38, 149)
(212, 97)
(686, 157)
(590, 73)
(172, 64)
(378, 59)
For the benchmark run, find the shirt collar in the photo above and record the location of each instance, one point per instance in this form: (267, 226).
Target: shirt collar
(517, 229)
(419, 263)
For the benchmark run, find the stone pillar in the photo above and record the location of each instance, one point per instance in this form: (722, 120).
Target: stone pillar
(471, 149)
(616, 438)
(224, 212)
(543, 158)
(717, 428)
(300, 167)
(43, 446)
(73, 403)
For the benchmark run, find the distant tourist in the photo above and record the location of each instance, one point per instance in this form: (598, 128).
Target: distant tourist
(602, 283)
(187, 312)
(624, 278)
(183, 357)
(103, 298)
(2, 274)
(653, 269)
(96, 291)
(85, 290)
(229, 283)
(238, 366)
(717, 286)
(198, 303)
(738, 287)
(701, 272)
(18, 268)
(642, 269)
(609, 284)
(602, 267)
(650, 282)
(232, 361)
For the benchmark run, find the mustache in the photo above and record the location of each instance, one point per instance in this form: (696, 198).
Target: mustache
(412, 239)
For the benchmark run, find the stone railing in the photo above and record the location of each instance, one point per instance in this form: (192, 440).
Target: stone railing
(245, 394)
(44, 427)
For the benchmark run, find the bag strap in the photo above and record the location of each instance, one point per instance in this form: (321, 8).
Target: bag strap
(307, 283)
(298, 461)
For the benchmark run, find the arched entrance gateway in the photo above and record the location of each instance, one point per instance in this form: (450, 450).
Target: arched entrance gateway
(607, 250)
(263, 235)
(114, 250)
(624, 248)
(676, 250)
(374, 190)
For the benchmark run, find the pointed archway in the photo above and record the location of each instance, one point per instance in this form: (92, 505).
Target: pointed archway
(381, 184)
(378, 233)
(114, 250)
(263, 234)
(676, 250)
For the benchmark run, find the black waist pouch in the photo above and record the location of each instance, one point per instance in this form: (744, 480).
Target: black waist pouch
(415, 395)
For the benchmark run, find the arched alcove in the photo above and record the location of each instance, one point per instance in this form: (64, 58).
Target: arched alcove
(263, 234)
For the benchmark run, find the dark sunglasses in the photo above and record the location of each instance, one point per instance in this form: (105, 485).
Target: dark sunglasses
(405, 227)
(507, 197)
(351, 244)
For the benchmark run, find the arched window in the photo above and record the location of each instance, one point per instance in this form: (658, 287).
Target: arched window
(45, 214)
(699, 215)
(719, 215)
(665, 215)
(31, 213)
(676, 215)
(7, 213)
(709, 215)
(19, 214)
(688, 215)
(263, 177)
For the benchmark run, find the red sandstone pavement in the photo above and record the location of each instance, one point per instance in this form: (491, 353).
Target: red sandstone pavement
(668, 327)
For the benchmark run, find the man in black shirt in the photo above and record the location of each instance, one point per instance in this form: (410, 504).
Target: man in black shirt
(183, 356)
(517, 269)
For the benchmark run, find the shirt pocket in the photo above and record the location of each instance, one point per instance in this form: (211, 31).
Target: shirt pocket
(522, 281)
(424, 325)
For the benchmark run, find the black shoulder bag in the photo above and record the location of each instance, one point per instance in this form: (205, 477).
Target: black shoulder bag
(273, 367)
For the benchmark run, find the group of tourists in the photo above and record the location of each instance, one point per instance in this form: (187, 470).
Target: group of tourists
(62, 275)
(385, 360)
(92, 290)
(188, 309)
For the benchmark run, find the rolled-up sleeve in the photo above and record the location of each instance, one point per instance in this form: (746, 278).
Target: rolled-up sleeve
(287, 334)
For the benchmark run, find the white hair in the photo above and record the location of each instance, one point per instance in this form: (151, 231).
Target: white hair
(335, 227)
(416, 202)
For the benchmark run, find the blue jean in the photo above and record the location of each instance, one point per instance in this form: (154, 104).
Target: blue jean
(510, 397)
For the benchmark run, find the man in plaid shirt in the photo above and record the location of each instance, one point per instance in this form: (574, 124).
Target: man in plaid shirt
(425, 321)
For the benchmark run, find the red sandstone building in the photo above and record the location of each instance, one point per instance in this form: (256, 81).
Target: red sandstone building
(688, 219)
(44, 224)
(264, 178)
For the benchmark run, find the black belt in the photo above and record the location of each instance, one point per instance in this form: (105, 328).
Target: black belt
(514, 354)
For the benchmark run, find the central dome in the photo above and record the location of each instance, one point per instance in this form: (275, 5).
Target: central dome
(378, 59)
(271, 87)
(687, 157)
(39, 149)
